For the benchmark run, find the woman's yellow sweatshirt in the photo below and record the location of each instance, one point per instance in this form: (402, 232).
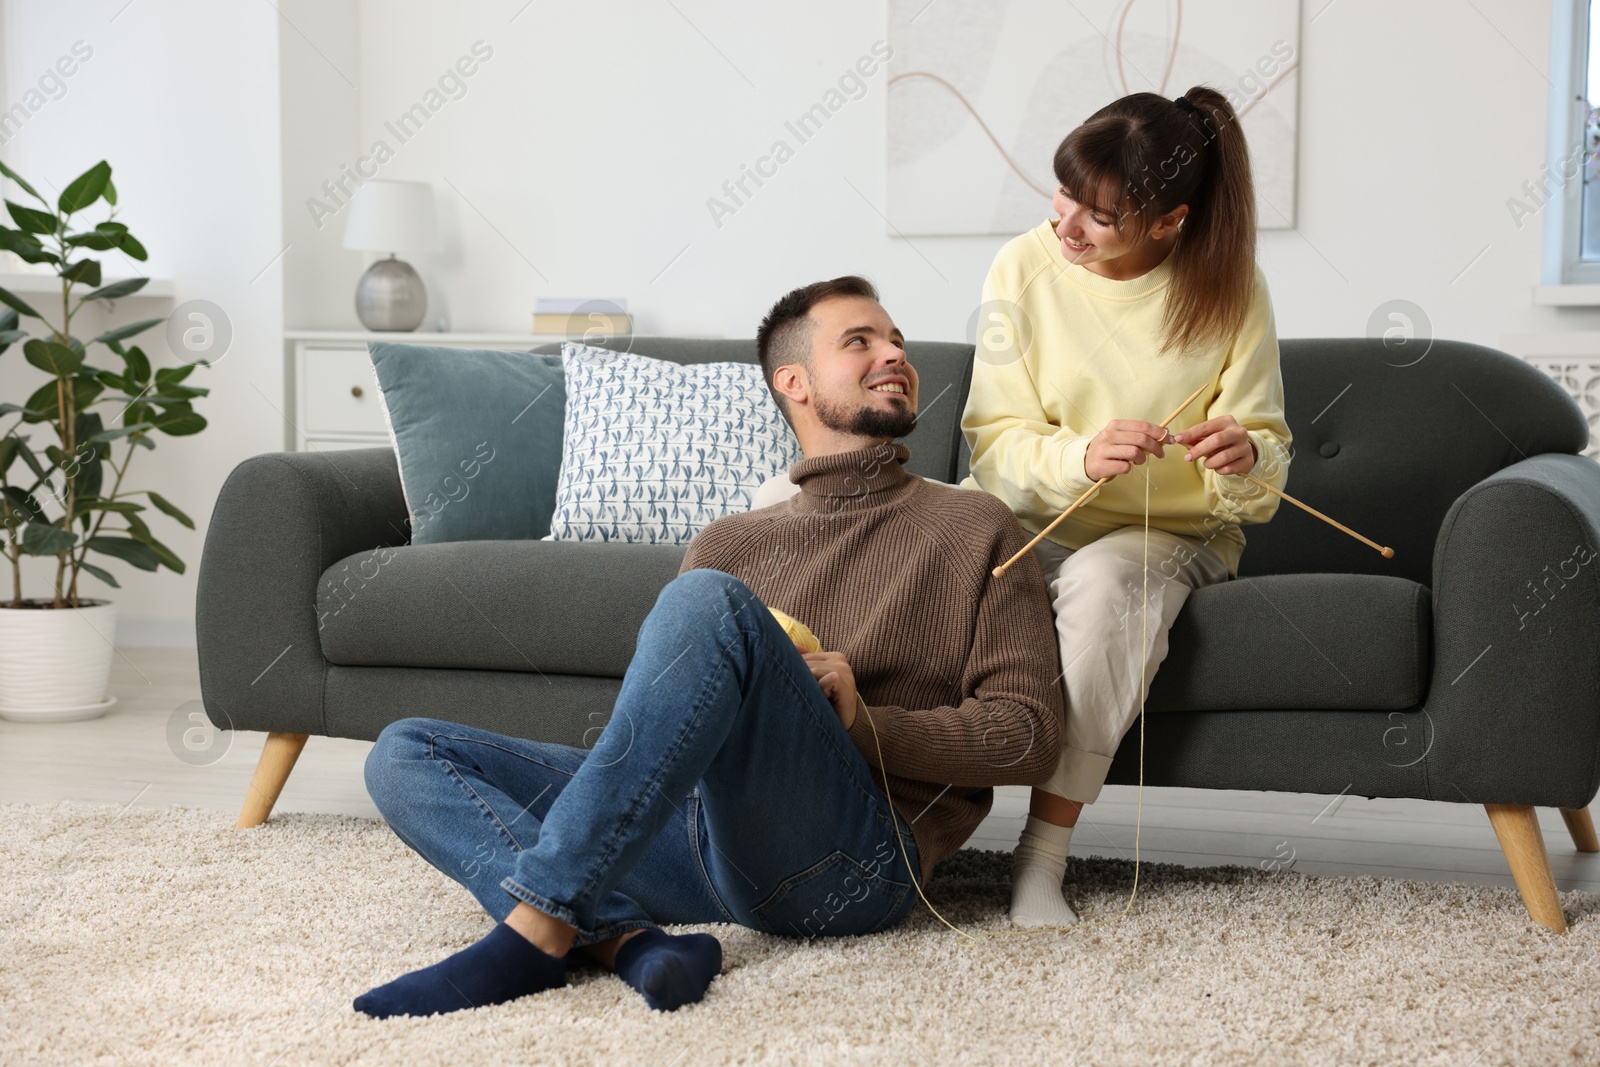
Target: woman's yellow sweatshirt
(1061, 351)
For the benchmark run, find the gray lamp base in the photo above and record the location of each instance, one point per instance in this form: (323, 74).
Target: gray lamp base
(391, 296)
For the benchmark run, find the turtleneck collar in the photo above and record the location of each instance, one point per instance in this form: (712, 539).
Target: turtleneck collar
(851, 481)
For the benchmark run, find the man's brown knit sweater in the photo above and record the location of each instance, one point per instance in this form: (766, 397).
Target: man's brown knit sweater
(960, 669)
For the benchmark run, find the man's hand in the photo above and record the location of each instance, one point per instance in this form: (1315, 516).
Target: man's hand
(1222, 442)
(838, 682)
(1123, 442)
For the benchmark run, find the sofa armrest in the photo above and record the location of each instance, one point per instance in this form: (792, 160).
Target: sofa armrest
(280, 521)
(1513, 704)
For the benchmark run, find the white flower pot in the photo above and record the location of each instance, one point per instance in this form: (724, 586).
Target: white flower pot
(54, 662)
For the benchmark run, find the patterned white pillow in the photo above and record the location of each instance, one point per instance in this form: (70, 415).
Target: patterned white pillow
(654, 450)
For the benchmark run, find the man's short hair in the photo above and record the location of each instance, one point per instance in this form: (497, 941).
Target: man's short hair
(785, 334)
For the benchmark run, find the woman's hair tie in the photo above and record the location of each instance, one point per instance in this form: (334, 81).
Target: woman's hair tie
(1183, 102)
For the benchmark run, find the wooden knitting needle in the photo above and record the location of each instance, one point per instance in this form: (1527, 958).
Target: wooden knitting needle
(1387, 553)
(998, 571)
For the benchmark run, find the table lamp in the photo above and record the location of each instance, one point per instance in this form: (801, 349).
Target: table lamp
(389, 216)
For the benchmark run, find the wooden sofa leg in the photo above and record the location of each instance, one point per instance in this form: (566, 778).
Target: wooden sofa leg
(1517, 827)
(272, 770)
(1581, 827)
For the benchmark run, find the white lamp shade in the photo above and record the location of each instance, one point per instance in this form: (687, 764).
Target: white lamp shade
(390, 216)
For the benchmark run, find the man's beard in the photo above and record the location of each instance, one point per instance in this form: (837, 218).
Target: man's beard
(866, 421)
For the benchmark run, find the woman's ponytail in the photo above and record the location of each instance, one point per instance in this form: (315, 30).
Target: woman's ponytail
(1214, 263)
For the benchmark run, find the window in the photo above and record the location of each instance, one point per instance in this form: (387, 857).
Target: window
(1567, 192)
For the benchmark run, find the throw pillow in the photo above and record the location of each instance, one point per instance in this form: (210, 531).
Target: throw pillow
(655, 450)
(477, 433)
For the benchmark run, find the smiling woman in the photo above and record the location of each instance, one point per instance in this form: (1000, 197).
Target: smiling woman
(1143, 292)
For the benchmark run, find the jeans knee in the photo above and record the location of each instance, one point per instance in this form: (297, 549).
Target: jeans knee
(703, 589)
(399, 744)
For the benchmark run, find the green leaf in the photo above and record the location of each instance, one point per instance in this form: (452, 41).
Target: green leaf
(110, 380)
(8, 453)
(110, 192)
(8, 319)
(96, 503)
(9, 337)
(23, 502)
(14, 176)
(138, 529)
(111, 227)
(100, 573)
(130, 244)
(120, 431)
(179, 423)
(126, 549)
(122, 332)
(165, 505)
(119, 289)
(30, 459)
(138, 366)
(85, 189)
(43, 539)
(11, 299)
(8, 408)
(100, 242)
(86, 271)
(91, 475)
(49, 356)
(27, 246)
(165, 555)
(31, 219)
(43, 402)
(173, 375)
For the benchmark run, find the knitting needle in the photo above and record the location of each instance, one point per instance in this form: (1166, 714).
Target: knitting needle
(1387, 553)
(998, 571)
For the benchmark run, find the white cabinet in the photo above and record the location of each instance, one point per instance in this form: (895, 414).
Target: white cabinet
(334, 394)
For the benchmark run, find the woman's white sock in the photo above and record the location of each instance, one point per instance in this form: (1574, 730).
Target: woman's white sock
(1037, 867)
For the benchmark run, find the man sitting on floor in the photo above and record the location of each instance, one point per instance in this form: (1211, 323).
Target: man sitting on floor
(739, 779)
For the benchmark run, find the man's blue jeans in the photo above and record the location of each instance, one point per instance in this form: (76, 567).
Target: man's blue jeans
(723, 789)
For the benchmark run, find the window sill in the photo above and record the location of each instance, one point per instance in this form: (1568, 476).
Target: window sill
(1566, 295)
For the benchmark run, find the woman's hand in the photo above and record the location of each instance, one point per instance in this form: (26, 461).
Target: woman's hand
(838, 682)
(1121, 444)
(1222, 443)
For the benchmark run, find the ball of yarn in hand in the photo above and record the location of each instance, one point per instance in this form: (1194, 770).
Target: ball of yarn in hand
(798, 632)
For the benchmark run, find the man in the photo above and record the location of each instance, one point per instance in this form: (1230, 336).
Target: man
(740, 780)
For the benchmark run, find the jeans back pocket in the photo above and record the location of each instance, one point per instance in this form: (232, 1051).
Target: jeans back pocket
(834, 897)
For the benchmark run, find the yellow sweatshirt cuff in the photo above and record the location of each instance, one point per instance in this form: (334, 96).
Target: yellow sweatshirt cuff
(1074, 481)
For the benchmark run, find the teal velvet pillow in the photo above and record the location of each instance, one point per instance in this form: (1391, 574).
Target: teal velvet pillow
(478, 436)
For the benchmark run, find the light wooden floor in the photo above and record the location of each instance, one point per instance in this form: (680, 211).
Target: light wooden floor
(125, 758)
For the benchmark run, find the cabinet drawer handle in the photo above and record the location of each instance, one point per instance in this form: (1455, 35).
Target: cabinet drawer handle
(355, 390)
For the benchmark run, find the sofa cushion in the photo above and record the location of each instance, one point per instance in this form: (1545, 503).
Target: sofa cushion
(544, 607)
(477, 434)
(1299, 642)
(653, 451)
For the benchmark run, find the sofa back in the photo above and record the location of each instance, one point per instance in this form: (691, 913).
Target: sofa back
(1385, 439)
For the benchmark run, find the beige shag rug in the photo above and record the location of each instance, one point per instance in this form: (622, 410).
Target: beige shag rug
(165, 936)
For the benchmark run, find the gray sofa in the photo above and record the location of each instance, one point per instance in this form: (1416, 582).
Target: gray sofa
(1464, 670)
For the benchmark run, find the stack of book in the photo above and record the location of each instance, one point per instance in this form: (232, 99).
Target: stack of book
(582, 317)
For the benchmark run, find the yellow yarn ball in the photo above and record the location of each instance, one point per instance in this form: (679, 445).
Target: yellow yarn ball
(798, 631)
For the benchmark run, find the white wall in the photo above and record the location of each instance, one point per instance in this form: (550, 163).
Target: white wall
(181, 97)
(580, 159)
(589, 144)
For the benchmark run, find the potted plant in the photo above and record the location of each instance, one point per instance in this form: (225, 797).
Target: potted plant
(57, 496)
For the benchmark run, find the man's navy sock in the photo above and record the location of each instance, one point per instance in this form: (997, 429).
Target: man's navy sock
(669, 971)
(503, 966)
